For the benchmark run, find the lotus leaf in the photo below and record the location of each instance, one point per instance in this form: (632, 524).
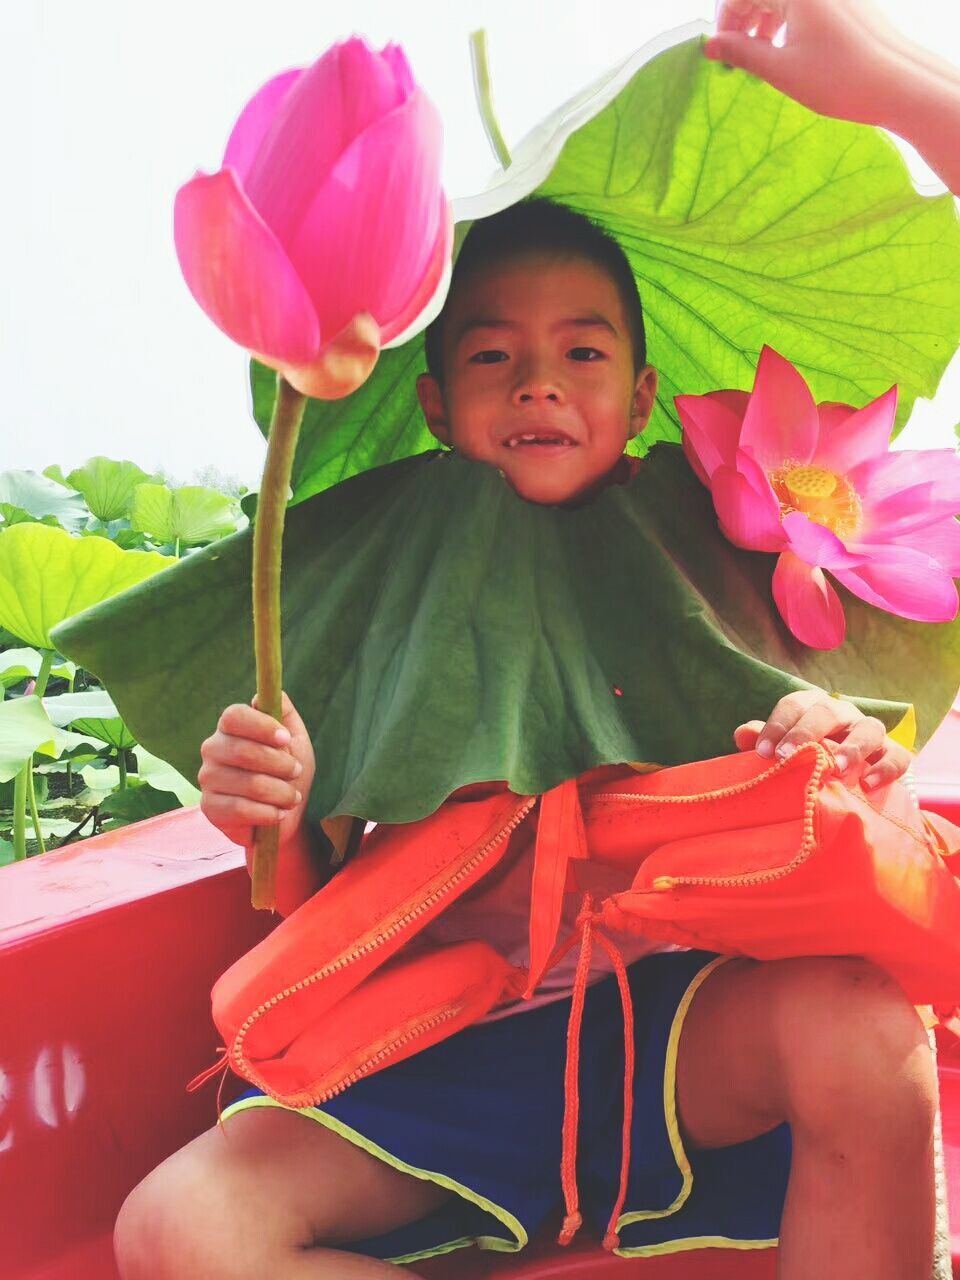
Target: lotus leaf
(40, 496)
(46, 576)
(24, 664)
(439, 630)
(108, 485)
(190, 515)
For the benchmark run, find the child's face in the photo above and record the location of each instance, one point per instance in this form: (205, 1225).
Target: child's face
(539, 347)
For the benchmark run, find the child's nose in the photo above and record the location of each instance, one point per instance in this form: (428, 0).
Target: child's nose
(537, 382)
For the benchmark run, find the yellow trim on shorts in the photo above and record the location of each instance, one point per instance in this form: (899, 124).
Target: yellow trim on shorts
(676, 1143)
(484, 1242)
(695, 1242)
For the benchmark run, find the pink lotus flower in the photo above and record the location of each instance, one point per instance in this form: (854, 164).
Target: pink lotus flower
(819, 485)
(328, 205)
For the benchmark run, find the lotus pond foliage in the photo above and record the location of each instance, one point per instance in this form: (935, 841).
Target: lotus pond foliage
(69, 765)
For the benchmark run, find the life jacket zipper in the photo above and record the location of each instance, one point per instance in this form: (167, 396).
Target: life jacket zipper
(823, 762)
(465, 869)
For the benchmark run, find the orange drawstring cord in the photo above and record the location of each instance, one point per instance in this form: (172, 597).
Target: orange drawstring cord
(223, 1064)
(586, 931)
(612, 1240)
(571, 1105)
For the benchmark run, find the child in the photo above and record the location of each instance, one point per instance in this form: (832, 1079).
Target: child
(769, 1082)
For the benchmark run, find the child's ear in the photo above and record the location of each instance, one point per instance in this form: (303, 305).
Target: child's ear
(644, 398)
(431, 402)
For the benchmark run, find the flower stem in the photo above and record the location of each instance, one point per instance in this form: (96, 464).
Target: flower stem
(23, 786)
(267, 547)
(122, 764)
(484, 93)
(20, 814)
(34, 815)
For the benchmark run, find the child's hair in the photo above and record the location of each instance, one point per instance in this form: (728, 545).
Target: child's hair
(539, 226)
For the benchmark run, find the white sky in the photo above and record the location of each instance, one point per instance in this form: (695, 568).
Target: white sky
(110, 106)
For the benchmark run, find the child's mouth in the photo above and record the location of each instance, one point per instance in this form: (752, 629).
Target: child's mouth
(542, 442)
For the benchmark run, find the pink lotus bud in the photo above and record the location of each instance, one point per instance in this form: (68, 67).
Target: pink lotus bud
(328, 205)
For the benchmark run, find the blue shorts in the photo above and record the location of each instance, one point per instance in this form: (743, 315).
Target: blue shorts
(481, 1114)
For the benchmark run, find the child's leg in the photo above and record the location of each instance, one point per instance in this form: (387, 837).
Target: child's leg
(262, 1196)
(831, 1045)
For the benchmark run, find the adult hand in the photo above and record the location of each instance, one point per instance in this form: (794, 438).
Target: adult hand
(836, 56)
(811, 715)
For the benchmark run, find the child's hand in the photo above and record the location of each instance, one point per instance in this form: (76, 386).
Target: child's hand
(811, 715)
(255, 773)
(835, 57)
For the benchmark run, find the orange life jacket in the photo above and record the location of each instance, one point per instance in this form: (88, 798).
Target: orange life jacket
(734, 855)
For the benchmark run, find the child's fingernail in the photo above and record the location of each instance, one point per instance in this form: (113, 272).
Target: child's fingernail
(786, 750)
(765, 748)
(869, 781)
(297, 769)
(282, 737)
(299, 796)
(842, 763)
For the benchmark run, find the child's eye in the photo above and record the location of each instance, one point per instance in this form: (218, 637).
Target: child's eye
(488, 357)
(585, 354)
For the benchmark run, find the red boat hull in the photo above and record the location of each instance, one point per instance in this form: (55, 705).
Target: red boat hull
(108, 950)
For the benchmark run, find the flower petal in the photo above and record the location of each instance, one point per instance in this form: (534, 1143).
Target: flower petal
(816, 544)
(333, 102)
(239, 273)
(711, 429)
(748, 515)
(940, 540)
(439, 267)
(905, 582)
(395, 58)
(901, 513)
(370, 235)
(846, 440)
(901, 469)
(781, 421)
(808, 604)
(255, 120)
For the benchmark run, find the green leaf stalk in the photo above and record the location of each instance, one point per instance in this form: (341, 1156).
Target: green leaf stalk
(267, 548)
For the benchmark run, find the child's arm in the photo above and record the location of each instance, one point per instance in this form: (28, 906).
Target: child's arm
(841, 58)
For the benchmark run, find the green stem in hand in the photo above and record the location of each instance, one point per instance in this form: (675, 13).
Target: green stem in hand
(122, 763)
(267, 546)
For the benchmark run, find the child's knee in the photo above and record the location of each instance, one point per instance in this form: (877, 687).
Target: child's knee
(853, 1049)
(140, 1234)
(176, 1223)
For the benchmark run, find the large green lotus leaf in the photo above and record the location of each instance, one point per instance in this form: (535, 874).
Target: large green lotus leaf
(24, 729)
(65, 708)
(40, 496)
(46, 576)
(108, 485)
(439, 630)
(747, 220)
(91, 713)
(191, 515)
(162, 775)
(9, 514)
(23, 664)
